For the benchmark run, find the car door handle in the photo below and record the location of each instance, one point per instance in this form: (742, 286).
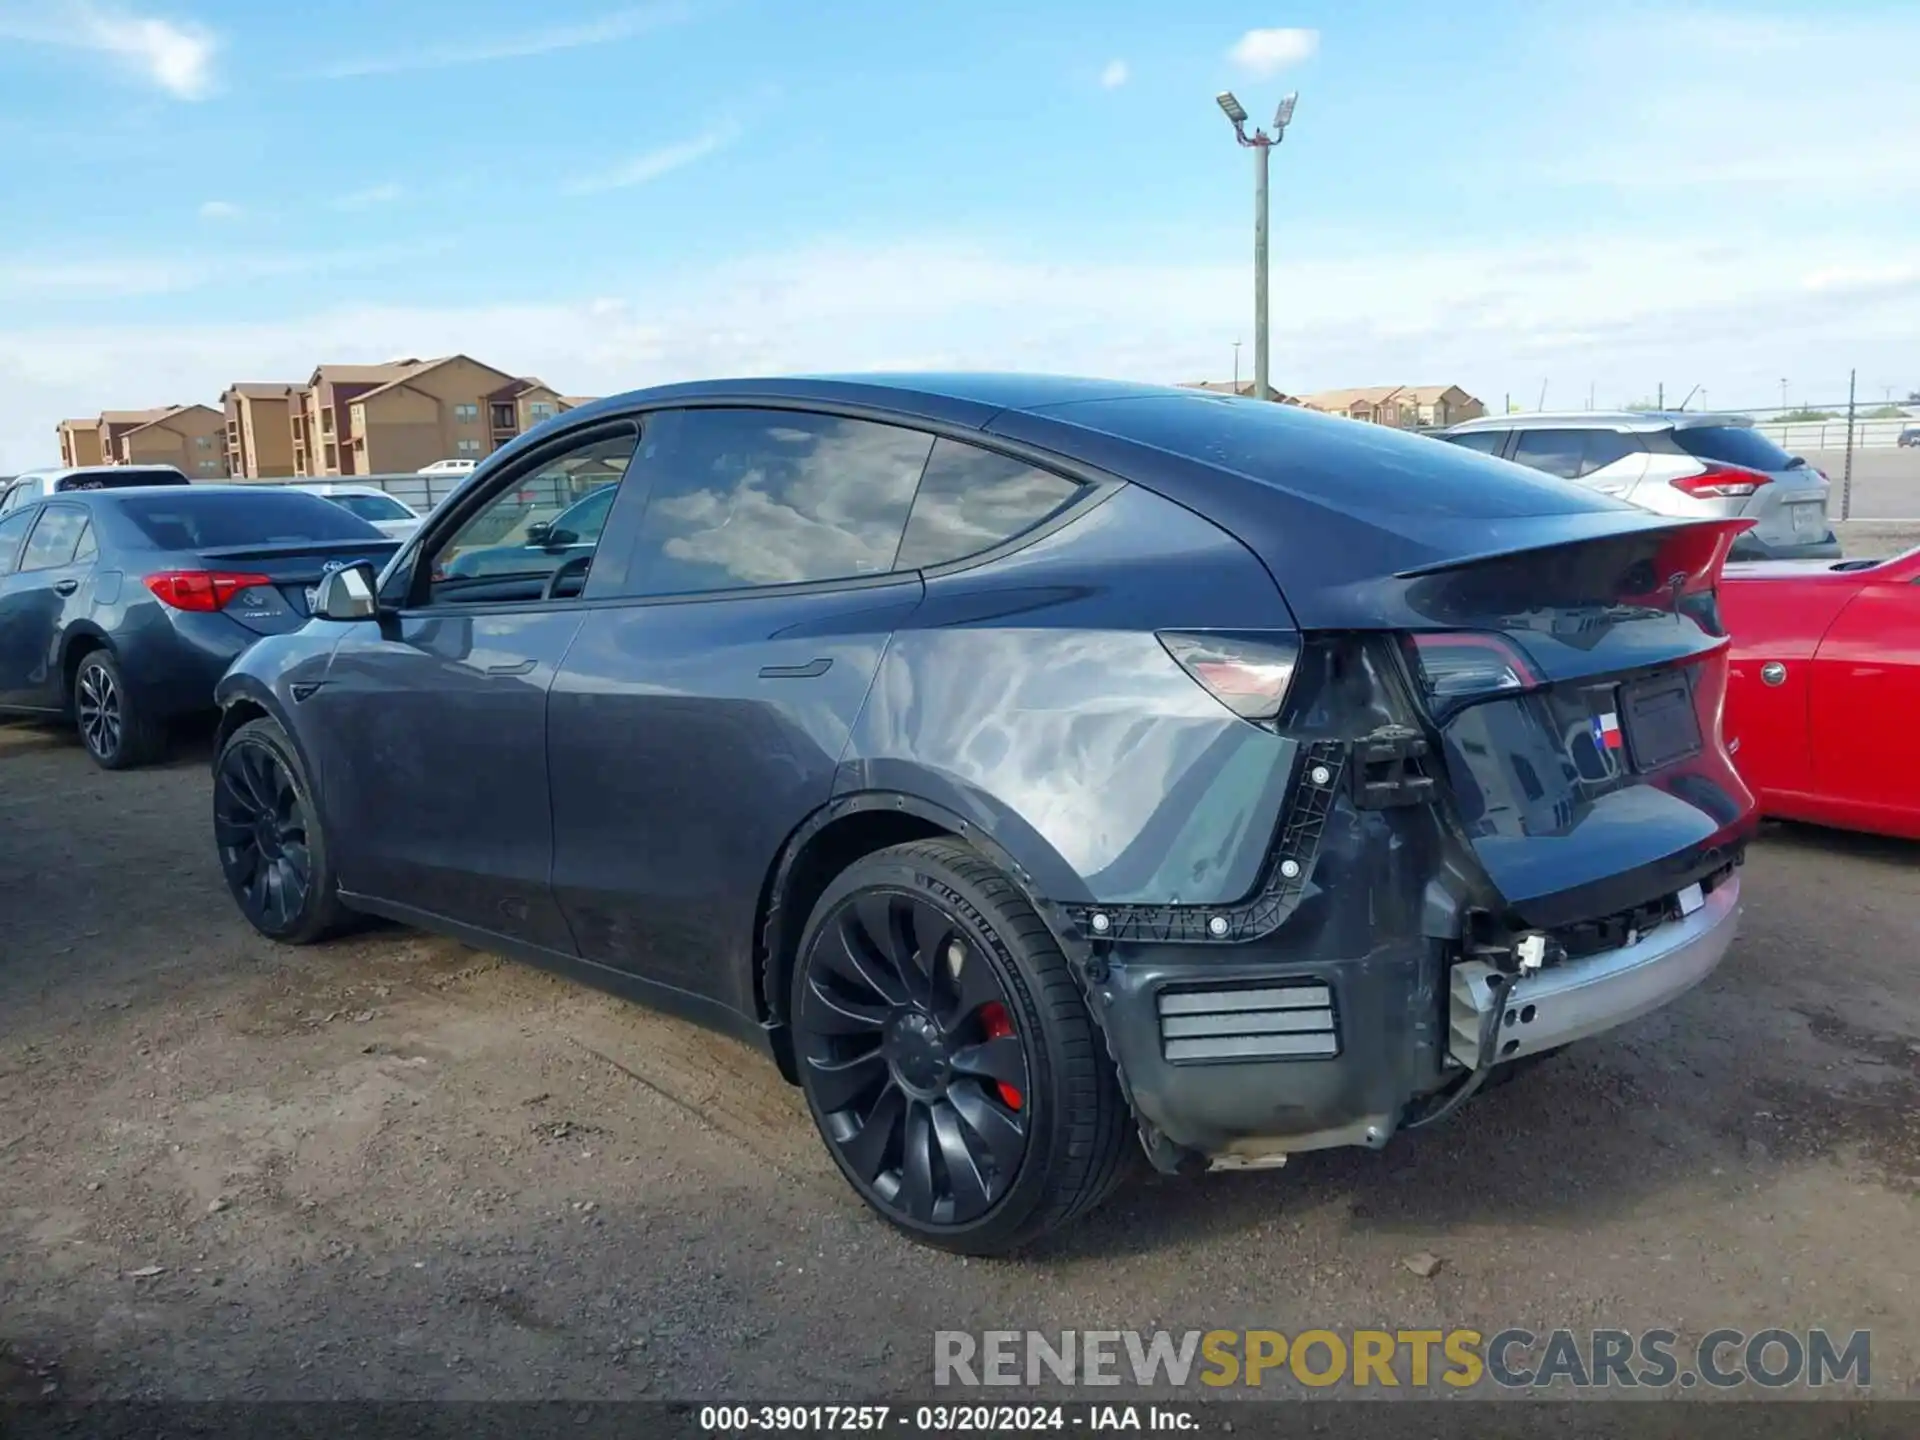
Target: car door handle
(795, 672)
(65, 587)
(525, 667)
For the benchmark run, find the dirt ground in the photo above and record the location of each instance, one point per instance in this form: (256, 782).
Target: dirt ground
(394, 1167)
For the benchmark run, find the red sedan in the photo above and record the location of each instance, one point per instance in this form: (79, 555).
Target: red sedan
(1823, 699)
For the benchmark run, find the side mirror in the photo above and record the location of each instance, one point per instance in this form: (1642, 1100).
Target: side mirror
(538, 532)
(348, 594)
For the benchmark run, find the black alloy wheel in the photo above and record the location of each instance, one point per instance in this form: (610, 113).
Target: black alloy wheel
(912, 1059)
(947, 1055)
(268, 837)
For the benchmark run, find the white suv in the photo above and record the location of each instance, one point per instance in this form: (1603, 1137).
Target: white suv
(1677, 464)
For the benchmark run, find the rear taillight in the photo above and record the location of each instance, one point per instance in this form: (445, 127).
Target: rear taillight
(1721, 482)
(1247, 674)
(204, 590)
(1456, 666)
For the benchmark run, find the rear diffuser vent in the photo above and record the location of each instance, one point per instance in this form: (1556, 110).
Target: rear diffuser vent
(1286, 1020)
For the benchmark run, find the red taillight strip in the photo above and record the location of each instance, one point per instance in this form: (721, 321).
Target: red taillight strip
(203, 591)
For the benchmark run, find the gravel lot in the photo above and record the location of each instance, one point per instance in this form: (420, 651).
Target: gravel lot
(395, 1167)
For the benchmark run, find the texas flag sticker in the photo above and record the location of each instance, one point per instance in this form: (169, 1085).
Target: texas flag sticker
(1606, 731)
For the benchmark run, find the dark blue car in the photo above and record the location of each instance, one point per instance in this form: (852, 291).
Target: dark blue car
(120, 608)
(1031, 767)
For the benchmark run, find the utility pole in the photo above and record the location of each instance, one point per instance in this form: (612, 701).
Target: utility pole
(1661, 402)
(1783, 393)
(1846, 474)
(1236, 367)
(1260, 143)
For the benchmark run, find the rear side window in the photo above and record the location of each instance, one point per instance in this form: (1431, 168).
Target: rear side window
(1732, 445)
(190, 521)
(1487, 442)
(743, 498)
(972, 500)
(13, 533)
(55, 538)
(1571, 454)
(1558, 452)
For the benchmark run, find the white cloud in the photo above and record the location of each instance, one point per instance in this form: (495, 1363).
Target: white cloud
(219, 210)
(1727, 311)
(604, 30)
(366, 199)
(655, 163)
(1115, 75)
(1267, 52)
(24, 278)
(1714, 107)
(176, 56)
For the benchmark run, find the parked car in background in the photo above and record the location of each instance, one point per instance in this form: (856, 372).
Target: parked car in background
(1024, 762)
(388, 514)
(120, 608)
(1825, 690)
(1674, 463)
(39, 484)
(540, 546)
(448, 467)
(1910, 437)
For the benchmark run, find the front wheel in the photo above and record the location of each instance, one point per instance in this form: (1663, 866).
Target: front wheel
(273, 850)
(947, 1054)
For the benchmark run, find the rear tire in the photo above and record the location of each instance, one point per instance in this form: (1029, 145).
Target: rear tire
(114, 725)
(272, 846)
(947, 1054)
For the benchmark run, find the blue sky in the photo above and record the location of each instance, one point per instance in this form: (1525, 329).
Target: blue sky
(1590, 197)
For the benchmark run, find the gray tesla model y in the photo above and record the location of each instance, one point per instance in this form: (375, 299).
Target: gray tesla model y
(1034, 768)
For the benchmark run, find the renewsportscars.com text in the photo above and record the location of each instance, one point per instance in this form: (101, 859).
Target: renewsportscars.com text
(1457, 1359)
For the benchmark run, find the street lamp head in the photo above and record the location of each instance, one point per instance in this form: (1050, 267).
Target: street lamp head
(1233, 109)
(1284, 115)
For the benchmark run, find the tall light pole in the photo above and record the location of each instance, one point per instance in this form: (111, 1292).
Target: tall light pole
(1260, 143)
(1236, 367)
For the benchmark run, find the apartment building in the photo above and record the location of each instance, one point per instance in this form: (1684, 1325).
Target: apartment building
(1405, 407)
(191, 438)
(388, 418)
(321, 414)
(259, 428)
(1238, 387)
(80, 443)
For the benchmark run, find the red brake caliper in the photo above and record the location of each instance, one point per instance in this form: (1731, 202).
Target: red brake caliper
(995, 1021)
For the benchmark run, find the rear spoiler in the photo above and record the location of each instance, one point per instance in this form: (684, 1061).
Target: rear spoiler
(1703, 542)
(379, 545)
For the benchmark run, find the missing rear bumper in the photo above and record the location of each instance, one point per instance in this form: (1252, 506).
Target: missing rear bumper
(1584, 997)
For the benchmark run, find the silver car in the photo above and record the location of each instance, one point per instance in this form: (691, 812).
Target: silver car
(1677, 464)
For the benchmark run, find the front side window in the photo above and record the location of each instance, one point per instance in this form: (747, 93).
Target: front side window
(972, 500)
(13, 533)
(547, 517)
(744, 498)
(55, 538)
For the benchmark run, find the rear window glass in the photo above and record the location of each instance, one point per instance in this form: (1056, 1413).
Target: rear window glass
(209, 522)
(1732, 445)
(123, 479)
(1349, 464)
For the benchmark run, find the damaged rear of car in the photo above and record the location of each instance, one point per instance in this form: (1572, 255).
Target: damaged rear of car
(1347, 767)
